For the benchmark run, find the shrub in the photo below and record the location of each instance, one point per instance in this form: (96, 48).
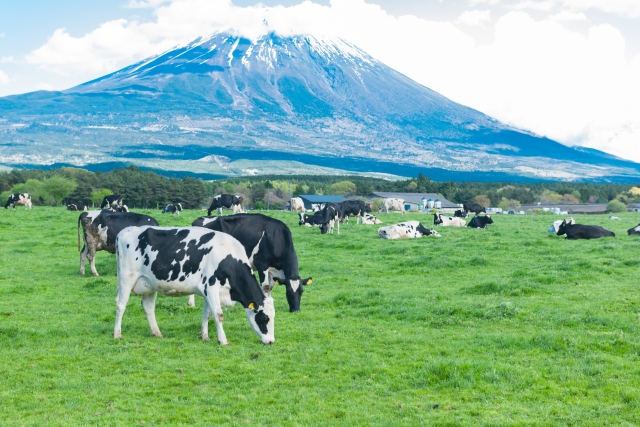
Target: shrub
(616, 206)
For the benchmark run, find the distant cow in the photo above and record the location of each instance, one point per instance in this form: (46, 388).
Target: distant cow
(19, 199)
(634, 230)
(448, 221)
(370, 219)
(226, 201)
(174, 209)
(406, 230)
(297, 205)
(356, 208)
(480, 221)
(190, 260)
(99, 231)
(580, 231)
(556, 224)
(392, 204)
(326, 218)
(614, 218)
(122, 208)
(269, 247)
(473, 207)
(77, 207)
(113, 201)
(460, 214)
(310, 220)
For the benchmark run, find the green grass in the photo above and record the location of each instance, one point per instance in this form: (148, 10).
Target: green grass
(508, 326)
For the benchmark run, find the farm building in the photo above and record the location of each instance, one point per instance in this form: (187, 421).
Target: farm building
(318, 199)
(582, 208)
(633, 207)
(412, 200)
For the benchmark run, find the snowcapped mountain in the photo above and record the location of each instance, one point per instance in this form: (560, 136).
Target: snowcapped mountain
(225, 105)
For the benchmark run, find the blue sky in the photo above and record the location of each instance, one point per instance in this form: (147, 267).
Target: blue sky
(567, 69)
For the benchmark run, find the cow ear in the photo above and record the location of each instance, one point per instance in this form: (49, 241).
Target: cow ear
(306, 281)
(252, 306)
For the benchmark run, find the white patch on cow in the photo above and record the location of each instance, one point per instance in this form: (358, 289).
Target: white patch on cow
(269, 310)
(556, 225)
(614, 218)
(392, 204)
(403, 230)
(206, 221)
(370, 219)
(637, 228)
(255, 250)
(297, 204)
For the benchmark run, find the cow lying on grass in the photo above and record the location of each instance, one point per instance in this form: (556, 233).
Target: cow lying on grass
(580, 231)
(556, 224)
(448, 221)
(185, 261)
(370, 219)
(480, 221)
(634, 230)
(406, 230)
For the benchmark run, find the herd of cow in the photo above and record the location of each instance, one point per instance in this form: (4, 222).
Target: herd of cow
(216, 257)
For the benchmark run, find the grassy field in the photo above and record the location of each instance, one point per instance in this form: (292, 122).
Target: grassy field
(499, 327)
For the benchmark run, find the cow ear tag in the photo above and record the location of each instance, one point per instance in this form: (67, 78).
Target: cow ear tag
(309, 282)
(252, 305)
(276, 281)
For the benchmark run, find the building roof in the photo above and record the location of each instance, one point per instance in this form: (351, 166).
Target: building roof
(415, 197)
(576, 208)
(319, 198)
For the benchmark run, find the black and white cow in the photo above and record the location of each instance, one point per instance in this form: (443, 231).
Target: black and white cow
(19, 199)
(392, 204)
(406, 230)
(448, 221)
(326, 218)
(634, 230)
(122, 208)
(580, 231)
(173, 208)
(99, 231)
(186, 261)
(614, 218)
(460, 214)
(556, 224)
(77, 207)
(473, 207)
(356, 208)
(480, 221)
(297, 204)
(269, 247)
(226, 201)
(370, 219)
(112, 201)
(310, 220)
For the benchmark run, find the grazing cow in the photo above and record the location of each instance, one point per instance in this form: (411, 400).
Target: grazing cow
(297, 205)
(460, 214)
(480, 221)
(352, 207)
(185, 261)
(406, 230)
(326, 218)
(393, 204)
(580, 231)
(269, 247)
(226, 201)
(310, 220)
(634, 230)
(370, 219)
(556, 224)
(100, 229)
(448, 221)
(473, 207)
(77, 207)
(122, 208)
(19, 199)
(173, 209)
(614, 218)
(113, 201)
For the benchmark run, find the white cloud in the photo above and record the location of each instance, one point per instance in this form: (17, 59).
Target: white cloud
(488, 2)
(474, 18)
(44, 86)
(544, 6)
(6, 59)
(536, 75)
(630, 8)
(145, 4)
(4, 79)
(567, 16)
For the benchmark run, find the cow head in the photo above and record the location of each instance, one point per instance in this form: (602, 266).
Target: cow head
(562, 229)
(295, 288)
(324, 228)
(488, 219)
(367, 208)
(426, 232)
(303, 218)
(261, 318)
(437, 219)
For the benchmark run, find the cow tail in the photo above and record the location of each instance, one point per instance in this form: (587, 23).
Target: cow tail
(78, 234)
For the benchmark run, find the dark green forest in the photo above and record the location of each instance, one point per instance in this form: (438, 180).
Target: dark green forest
(147, 189)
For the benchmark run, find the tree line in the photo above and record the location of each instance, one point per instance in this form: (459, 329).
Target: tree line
(147, 189)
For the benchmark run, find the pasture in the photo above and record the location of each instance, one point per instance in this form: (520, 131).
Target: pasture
(509, 326)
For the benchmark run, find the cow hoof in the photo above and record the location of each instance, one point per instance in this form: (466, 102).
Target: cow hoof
(204, 337)
(96, 274)
(191, 305)
(117, 336)
(156, 334)
(224, 342)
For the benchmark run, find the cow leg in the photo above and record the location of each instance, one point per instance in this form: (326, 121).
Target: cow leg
(83, 258)
(92, 262)
(204, 330)
(219, 211)
(121, 304)
(192, 301)
(213, 301)
(149, 305)
(338, 226)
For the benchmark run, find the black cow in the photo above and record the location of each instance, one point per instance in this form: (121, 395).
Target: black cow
(226, 201)
(77, 207)
(100, 229)
(473, 207)
(460, 214)
(580, 231)
(173, 208)
(114, 200)
(19, 199)
(186, 261)
(479, 221)
(269, 247)
(356, 208)
(634, 230)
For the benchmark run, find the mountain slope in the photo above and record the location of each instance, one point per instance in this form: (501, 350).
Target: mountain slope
(223, 98)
